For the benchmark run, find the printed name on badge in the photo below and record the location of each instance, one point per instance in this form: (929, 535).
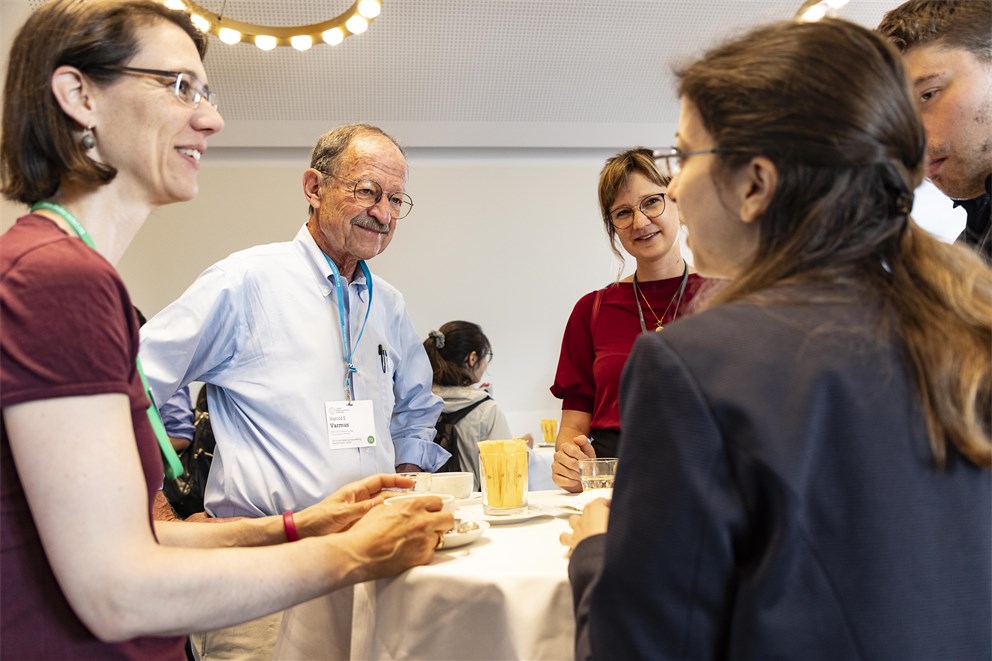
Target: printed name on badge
(350, 424)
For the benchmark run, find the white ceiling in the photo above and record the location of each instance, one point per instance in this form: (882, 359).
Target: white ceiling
(574, 74)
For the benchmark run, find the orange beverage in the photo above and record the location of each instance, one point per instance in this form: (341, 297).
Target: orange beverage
(504, 469)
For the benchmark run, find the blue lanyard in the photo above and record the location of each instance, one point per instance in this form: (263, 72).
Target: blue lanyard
(173, 467)
(349, 352)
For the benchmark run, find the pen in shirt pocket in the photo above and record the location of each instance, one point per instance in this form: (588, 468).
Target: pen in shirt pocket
(382, 358)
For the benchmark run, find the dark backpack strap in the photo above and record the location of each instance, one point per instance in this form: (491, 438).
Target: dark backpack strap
(454, 417)
(447, 435)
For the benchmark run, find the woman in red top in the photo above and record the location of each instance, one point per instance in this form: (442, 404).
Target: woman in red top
(604, 323)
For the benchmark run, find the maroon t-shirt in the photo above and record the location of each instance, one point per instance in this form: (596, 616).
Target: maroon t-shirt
(592, 359)
(66, 329)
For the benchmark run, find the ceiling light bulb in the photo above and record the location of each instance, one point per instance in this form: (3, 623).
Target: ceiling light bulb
(369, 8)
(356, 24)
(177, 5)
(814, 13)
(229, 36)
(301, 41)
(334, 36)
(202, 24)
(265, 42)
(837, 4)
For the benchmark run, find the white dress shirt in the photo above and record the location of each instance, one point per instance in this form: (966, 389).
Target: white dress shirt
(261, 328)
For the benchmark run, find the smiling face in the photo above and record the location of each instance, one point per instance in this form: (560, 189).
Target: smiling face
(648, 240)
(342, 228)
(153, 139)
(954, 91)
(709, 204)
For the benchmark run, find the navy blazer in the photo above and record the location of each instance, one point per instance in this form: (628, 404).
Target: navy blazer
(777, 498)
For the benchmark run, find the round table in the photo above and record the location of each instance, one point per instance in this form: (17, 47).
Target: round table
(504, 596)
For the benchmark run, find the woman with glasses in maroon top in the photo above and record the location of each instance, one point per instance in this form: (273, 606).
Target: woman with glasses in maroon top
(604, 324)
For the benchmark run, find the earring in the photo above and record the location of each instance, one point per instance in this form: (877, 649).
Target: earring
(88, 141)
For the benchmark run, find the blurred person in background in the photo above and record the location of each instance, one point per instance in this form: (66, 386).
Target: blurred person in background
(460, 353)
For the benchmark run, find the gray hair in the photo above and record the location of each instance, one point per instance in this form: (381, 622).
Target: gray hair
(331, 146)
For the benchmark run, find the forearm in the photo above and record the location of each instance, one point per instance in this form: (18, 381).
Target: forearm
(573, 423)
(142, 595)
(583, 570)
(263, 531)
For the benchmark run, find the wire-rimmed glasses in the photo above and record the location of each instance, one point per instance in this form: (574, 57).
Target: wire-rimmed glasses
(651, 206)
(368, 193)
(669, 160)
(185, 86)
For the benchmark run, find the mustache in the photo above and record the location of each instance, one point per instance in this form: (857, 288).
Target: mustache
(370, 223)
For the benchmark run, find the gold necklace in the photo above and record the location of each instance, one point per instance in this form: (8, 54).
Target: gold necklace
(676, 300)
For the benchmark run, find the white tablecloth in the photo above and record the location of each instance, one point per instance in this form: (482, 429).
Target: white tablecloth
(505, 596)
(539, 469)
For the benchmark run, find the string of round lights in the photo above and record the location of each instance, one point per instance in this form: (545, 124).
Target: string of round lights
(355, 20)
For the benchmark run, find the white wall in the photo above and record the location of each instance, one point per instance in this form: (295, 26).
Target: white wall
(507, 239)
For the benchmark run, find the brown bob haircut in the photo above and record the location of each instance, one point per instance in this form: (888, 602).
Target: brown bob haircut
(40, 146)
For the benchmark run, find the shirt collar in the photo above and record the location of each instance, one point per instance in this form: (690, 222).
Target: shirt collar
(315, 258)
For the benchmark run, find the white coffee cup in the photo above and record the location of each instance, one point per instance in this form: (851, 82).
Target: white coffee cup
(458, 484)
(447, 500)
(422, 481)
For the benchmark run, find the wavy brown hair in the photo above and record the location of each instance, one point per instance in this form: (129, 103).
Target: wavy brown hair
(40, 147)
(829, 104)
(612, 179)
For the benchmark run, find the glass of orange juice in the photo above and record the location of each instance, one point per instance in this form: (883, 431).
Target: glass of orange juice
(549, 430)
(504, 470)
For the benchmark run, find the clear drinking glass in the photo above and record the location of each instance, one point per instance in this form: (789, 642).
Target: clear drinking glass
(597, 473)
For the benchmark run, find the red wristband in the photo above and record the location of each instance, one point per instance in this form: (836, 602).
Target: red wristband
(289, 525)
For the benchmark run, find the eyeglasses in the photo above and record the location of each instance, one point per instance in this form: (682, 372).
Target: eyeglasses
(651, 206)
(669, 160)
(368, 193)
(186, 87)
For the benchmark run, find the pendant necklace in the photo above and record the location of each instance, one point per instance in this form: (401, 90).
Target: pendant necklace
(676, 300)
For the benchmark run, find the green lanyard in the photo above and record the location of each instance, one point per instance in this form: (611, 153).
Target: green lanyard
(173, 467)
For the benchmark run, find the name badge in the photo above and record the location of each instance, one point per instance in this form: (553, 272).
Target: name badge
(350, 424)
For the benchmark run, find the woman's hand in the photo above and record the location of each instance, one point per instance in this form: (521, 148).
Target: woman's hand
(593, 521)
(565, 469)
(390, 540)
(344, 507)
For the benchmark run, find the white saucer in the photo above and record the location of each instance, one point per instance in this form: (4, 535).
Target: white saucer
(476, 514)
(474, 499)
(454, 540)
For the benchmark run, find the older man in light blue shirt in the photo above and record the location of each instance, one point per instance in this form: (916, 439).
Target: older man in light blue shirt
(289, 335)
